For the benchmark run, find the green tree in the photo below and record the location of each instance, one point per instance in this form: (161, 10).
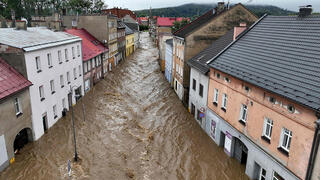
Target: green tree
(179, 24)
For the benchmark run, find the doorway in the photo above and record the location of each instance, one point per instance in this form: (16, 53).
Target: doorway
(240, 151)
(45, 122)
(22, 138)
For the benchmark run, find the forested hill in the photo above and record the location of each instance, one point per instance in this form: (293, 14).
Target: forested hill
(194, 10)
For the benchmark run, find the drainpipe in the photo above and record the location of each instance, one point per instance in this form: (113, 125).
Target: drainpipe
(314, 149)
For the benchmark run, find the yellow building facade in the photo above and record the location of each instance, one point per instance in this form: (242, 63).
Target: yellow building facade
(129, 44)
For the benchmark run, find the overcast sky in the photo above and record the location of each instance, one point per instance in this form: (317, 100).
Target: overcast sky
(145, 4)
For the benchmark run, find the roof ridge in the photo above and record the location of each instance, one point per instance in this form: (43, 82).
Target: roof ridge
(239, 37)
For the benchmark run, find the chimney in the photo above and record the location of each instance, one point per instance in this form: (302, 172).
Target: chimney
(238, 30)
(220, 7)
(305, 10)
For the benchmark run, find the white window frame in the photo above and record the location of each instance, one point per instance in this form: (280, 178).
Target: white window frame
(275, 178)
(68, 77)
(38, 64)
(41, 92)
(54, 109)
(66, 55)
(59, 57)
(75, 73)
(244, 108)
(261, 175)
(52, 86)
(216, 95)
(267, 128)
(288, 133)
(61, 80)
(17, 106)
(49, 60)
(224, 101)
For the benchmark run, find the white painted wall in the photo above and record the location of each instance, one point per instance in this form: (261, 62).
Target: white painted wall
(194, 96)
(43, 78)
(3, 151)
(168, 59)
(179, 89)
(136, 40)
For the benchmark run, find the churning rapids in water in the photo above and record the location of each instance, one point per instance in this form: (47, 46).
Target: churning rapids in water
(135, 127)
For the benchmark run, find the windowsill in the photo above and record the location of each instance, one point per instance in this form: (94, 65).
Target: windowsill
(42, 99)
(215, 103)
(62, 86)
(19, 114)
(39, 71)
(50, 67)
(283, 151)
(266, 139)
(53, 92)
(60, 62)
(55, 116)
(242, 122)
(67, 60)
(223, 109)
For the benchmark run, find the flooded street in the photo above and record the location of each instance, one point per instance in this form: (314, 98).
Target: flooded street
(135, 127)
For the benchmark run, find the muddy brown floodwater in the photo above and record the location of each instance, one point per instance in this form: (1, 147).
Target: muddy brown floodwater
(135, 127)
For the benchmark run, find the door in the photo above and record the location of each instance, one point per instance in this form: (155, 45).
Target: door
(240, 151)
(45, 122)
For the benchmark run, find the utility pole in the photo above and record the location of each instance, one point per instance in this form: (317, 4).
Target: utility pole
(74, 130)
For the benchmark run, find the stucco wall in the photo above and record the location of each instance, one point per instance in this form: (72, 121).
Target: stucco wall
(11, 124)
(168, 65)
(43, 78)
(300, 122)
(194, 96)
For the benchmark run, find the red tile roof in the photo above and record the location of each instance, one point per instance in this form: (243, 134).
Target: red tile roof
(140, 19)
(168, 21)
(91, 47)
(11, 81)
(120, 13)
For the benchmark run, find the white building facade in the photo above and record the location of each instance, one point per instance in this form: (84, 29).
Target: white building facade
(52, 61)
(168, 60)
(198, 96)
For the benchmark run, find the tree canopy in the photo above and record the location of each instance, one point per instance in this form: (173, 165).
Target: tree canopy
(179, 24)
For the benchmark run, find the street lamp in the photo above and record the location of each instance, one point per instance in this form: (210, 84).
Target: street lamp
(74, 130)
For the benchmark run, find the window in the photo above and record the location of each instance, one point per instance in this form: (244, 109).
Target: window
(64, 103)
(224, 102)
(41, 93)
(246, 88)
(201, 90)
(59, 57)
(198, 115)
(52, 86)
(55, 111)
(79, 70)
(267, 128)
(17, 106)
(276, 176)
(227, 79)
(218, 75)
(61, 81)
(66, 54)
(291, 108)
(285, 139)
(49, 60)
(176, 85)
(68, 77)
(243, 113)
(75, 73)
(262, 174)
(193, 109)
(73, 53)
(78, 50)
(85, 67)
(215, 97)
(194, 84)
(38, 64)
(89, 65)
(272, 100)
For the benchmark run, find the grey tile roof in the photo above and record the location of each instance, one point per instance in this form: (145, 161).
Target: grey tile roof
(121, 25)
(34, 38)
(199, 61)
(279, 54)
(132, 26)
(128, 30)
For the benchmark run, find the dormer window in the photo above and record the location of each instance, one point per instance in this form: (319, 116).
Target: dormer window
(291, 108)
(272, 100)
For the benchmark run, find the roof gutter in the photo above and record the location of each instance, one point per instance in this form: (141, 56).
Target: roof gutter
(314, 148)
(240, 36)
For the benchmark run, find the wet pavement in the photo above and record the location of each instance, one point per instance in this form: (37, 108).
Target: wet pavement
(135, 128)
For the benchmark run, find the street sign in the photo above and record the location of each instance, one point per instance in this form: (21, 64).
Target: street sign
(69, 168)
(201, 115)
(202, 109)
